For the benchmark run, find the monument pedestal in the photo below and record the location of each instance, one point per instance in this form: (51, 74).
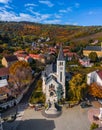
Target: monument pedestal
(51, 111)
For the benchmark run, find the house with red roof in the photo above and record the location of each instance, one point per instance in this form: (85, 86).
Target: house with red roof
(38, 57)
(95, 76)
(70, 55)
(23, 56)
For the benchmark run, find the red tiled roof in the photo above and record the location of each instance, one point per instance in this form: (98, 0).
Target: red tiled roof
(66, 50)
(99, 73)
(52, 49)
(20, 52)
(70, 54)
(21, 55)
(27, 57)
(35, 56)
(4, 71)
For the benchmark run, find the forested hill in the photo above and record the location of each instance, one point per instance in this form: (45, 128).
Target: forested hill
(19, 32)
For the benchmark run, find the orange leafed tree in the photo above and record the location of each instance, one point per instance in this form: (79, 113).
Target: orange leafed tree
(20, 74)
(95, 90)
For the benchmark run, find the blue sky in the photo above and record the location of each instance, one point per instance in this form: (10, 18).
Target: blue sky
(73, 12)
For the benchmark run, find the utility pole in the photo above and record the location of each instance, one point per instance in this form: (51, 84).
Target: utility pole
(1, 127)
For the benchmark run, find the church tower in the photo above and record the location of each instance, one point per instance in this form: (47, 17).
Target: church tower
(61, 70)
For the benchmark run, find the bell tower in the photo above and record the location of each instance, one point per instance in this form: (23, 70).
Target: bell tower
(61, 70)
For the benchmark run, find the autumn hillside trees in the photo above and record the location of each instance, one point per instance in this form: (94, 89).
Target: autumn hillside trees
(20, 75)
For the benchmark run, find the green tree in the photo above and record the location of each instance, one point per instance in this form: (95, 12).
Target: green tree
(93, 56)
(77, 87)
(20, 74)
(94, 126)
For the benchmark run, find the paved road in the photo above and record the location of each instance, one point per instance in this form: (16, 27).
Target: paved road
(71, 119)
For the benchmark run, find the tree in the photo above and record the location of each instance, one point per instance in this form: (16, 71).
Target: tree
(95, 90)
(93, 56)
(20, 74)
(94, 126)
(77, 87)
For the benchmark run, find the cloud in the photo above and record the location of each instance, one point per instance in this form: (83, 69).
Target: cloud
(55, 21)
(57, 16)
(91, 12)
(12, 16)
(4, 1)
(30, 4)
(48, 3)
(75, 24)
(63, 11)
(69, 9)
(77, 5)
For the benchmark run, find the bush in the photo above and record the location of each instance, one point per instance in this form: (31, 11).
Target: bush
(94, 126)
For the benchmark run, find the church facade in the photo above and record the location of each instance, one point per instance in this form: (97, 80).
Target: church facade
(54, 79)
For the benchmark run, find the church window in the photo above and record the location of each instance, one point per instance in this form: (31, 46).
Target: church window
(61, 63)
(60, 76)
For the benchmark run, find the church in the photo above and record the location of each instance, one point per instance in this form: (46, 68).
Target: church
(53, 77)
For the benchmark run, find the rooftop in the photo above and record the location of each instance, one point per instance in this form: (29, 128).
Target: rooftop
(4, 71)
(99, 72)
(93, 48)
(49, 69)
(11, 58)
(3, 83)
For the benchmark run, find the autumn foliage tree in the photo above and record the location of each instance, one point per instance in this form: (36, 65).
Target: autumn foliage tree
(77, 87)
(95, 90)
(20, 74)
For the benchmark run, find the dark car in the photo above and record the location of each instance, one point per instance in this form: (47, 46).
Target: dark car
(84, 105)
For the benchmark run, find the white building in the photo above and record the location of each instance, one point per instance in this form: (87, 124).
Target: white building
(95, 76)
(54, 80)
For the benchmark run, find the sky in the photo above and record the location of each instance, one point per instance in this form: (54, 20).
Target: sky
(65, 12)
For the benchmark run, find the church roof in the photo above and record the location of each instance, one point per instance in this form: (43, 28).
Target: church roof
(51, 77)
(61, 54)
(49, 69)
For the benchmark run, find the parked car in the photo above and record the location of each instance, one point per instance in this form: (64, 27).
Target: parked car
(84, 105)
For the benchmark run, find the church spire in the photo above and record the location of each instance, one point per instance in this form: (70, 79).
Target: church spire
(60, 55)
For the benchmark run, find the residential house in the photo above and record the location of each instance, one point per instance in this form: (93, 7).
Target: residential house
(23, 56)
(4, 73)
(9, 60)
(89, 49)
(4, 90)
(95, 76)
(41, 58)
(85, 62)
(70, 55)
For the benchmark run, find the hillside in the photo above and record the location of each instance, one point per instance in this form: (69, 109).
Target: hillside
(20, 32)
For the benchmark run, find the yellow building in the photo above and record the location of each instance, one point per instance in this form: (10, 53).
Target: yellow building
(89, 49)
